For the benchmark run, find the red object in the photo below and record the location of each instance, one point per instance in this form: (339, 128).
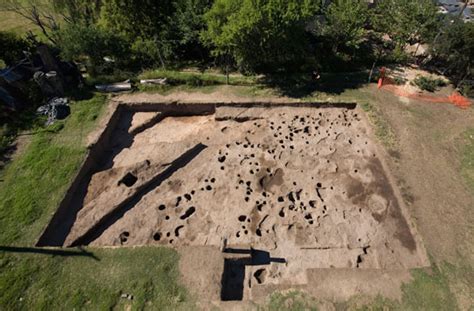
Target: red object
(382, 77)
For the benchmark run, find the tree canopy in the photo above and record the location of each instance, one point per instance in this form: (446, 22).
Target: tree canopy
(455, 48)
(346, 23)
(259, 36)
(406, 21)
(12, 47)
(252, 36)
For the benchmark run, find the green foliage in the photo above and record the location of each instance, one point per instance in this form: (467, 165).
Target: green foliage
(7, 136)
(78, 11)
(346, 22)
(12, 47)
(145, 25)
(467, 88)
(406, 21)
(87, 42)
(259, 36)
(428, 84)
(133, 19)
(187, 23)
(455, 49)
(158, 32)
(150, 52)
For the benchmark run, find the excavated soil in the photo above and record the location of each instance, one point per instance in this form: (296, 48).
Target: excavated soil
(277, 191)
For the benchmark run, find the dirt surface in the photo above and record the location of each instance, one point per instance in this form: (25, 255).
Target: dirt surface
(429, 162)
(427, 165)
(224, 94)
(280, 193)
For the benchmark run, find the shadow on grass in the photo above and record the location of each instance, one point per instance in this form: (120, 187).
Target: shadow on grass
(84, 93)
(11, 124)
(27, 121)
(302, 85)
(81, 252)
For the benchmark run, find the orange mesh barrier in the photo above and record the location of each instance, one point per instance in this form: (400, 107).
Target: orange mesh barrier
(455, 98)
(459, 100)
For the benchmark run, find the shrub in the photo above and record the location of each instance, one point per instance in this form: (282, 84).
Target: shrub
(399, 80)
(428, 84)
(6, 138)
(12, 47)
(467, 88)
(92, 44)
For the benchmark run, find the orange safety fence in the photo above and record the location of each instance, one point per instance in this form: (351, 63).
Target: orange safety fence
(455, 98)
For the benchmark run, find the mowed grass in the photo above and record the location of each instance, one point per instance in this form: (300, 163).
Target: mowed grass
(32, 185)
(146, 276)
(382, 129)
(30, 191)
(427, 291)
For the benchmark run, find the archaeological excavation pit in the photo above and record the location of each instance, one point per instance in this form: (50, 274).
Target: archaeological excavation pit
(280, 190)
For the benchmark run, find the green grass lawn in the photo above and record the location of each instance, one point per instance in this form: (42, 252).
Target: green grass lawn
(427, 291)
(45, 282)
(33, 185)
(30, 191)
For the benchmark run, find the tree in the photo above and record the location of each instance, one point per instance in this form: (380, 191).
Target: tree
(12, 48)
(187, 23)
(78, 11)
(346, 22)
(137, 18)
(146, 24)
(406, 21)
(455, 49)
(89, 43)
(259, 35)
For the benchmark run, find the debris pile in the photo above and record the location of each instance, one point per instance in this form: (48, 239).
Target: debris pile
(56, 109)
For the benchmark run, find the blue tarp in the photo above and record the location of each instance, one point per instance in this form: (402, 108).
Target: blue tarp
(10, 75)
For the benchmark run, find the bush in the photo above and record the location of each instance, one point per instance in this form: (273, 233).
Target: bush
(92, 44)
(467, 88)
(12, 47)
(150, 52)
(6, 138)
(259, 36)
(399, 81)
(428, 84)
